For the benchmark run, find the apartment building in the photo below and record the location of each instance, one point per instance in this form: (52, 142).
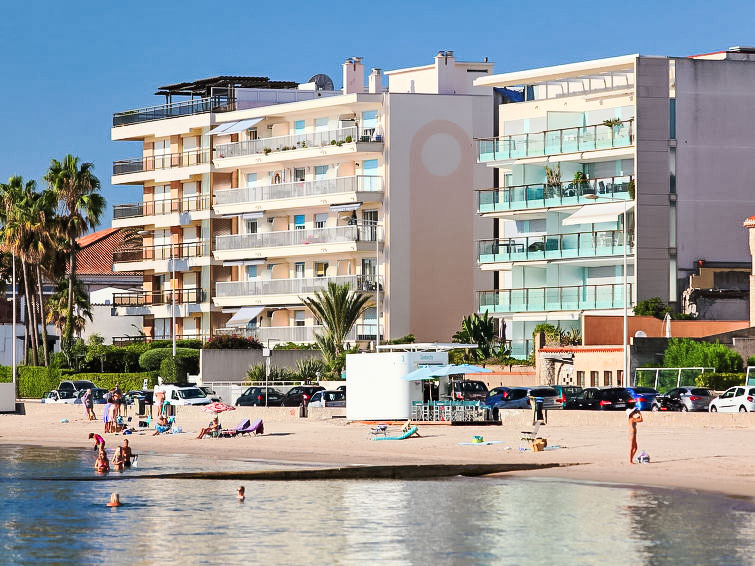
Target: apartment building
(661, 142)
(257, 194)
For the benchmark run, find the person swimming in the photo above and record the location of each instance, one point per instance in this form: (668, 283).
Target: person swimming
(115, 500)
(101, 465)
(128, 455)
(119, 460)
(240, 494)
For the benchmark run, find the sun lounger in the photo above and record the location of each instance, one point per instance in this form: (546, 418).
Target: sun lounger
(255, 428)
(230, 432)
(165, 428)
(531, 435)
(411, 432)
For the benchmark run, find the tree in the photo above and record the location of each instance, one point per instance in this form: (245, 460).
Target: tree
(338, 308)
(684, 352)
(480, 330)
(77, 190)
(96, 350)
(652, 307)
(57, 313)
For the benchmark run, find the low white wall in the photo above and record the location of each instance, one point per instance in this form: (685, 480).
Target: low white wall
(7, 398)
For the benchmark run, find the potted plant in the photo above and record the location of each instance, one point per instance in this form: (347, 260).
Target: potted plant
(552, 181)
(266, 150)
(630, 189)
(581, 183)
(616, 125)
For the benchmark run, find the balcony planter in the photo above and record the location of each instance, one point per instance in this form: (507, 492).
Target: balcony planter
(630, 189)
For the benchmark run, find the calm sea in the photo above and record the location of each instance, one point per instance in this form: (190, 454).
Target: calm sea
(456, 521)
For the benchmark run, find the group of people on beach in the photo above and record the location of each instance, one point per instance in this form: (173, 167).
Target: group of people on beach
(122, 458)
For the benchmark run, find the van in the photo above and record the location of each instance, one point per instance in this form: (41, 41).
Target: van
(176, 395)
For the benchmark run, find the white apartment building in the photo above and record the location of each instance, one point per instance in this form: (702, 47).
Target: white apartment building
(258, 194)
(665, 140)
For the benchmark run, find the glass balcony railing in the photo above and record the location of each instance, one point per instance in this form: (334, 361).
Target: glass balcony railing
(357, 183)
(547, 299)
(541, 195)
(156, 298)
(291, 142)
(353, 233)
(282, 334)
(174, 110)
(553, 142)
(168, 206)
(556, 246)
(162, 252)
(520, 348)
(159, 162)
(296, 286)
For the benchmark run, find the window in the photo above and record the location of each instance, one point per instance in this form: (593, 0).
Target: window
(299, 270)
(321, 124)
(299, 173)
(320, 219)
(594, 379)
(251, 271)
(619, 377)
(251, 226)
(321, 268)
(299, 318)
(321, 171)
(299, 126)
(580, 379)
(299, 222)
(607, 378)
(368, 267)
(369, 122)
(251, 179)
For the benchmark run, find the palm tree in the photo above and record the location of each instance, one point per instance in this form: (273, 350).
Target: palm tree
(338, 308)
(58, 310)
(480, 330)
(77, 190)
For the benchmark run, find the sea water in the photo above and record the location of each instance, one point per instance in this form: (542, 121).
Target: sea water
(449, 521)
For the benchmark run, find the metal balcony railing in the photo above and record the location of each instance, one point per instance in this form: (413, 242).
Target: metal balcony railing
(556, 246)
(168, 206)
(357, 183)
(174, 110)
(159, 162)
(282, 334)
(297, 286)
(543, 299)
(126, 340)
(553, 142)
(352, 233)
(162, 252)
(289, 142)
(566, 193)
(165, 297)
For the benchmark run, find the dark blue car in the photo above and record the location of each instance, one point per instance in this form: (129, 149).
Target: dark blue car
(643, 397)
(496, 395)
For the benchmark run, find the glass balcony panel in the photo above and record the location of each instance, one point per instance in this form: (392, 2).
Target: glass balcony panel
(553, 142)
(286, 143)
(569, 140)
(544, 299)
(586, 138)
(536, 144)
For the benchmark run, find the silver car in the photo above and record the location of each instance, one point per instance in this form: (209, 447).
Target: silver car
(687, 398)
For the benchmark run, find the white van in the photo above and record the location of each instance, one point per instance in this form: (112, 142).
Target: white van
(175, 395)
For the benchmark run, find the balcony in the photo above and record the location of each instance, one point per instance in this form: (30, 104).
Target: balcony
(297, 242)
(554, 142)
(548, 299)
(264, 291)
(164, 297)
(296, 145)
(556, 246)
(141, 213)
(230, 201)
(143, 168)
(174, 110)
(189, 254)
(126, 340)
(284, 334)
(542, 195)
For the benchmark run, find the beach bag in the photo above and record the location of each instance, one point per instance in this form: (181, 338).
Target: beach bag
(643, 458)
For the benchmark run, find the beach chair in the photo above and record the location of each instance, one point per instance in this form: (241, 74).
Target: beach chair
(231, 432)
(531, 435)
(255, 428)
(378, 429)
(165, 428)
(414, 431)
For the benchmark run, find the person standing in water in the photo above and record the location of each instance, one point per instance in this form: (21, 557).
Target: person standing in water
(634, 417)
(240, 494)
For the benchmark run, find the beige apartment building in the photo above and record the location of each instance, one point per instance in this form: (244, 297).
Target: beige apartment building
(258, 193)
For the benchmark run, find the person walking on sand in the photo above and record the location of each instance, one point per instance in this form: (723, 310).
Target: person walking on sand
(634, 417)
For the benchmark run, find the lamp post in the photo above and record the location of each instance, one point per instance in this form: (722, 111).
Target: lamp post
(625, 242)
(13, 341)
(266, 353)
(377, 290)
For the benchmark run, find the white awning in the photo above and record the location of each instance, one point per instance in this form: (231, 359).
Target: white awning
(253, 215)
(244, 316)
(345, 207)
(597, 213)
(235, 127)
(245, 262)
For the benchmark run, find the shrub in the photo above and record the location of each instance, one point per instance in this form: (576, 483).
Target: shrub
(719, 381)
(689, 353)
(751, 361)
(173, 371)
(126, 381)
(151, 359)
(257, 373)
(408, 339)
(294, 346)
(232, 342)
(33, 381)
(310, 370)
(652, 307)
(194, 344)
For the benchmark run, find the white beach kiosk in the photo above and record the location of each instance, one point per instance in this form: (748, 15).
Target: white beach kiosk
(375, 384)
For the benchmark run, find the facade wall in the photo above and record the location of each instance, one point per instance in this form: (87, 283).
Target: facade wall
(601, 330)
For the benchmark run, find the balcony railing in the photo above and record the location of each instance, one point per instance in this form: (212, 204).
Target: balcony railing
(358, 183)
(126, 340)
(545, 299)
(165, 297)
(298, 286)
(553, 142)
(542, 195)
(556, 246)
(156, 207)
(353, 233)
(162, 252)
(290, 142)
(159, 162)
(282, 334)
(174, 110)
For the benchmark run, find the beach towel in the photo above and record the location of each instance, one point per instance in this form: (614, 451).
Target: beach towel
(411, 432)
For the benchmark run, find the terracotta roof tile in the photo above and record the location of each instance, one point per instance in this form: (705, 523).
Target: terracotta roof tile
(95, 256)
(574, 349)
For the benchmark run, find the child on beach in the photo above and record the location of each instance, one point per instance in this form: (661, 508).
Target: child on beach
(634, 417)
(99, 442)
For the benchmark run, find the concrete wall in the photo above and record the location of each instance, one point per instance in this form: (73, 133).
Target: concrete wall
(232, 365)
(109, 326)
(7, 398)
(6, 343)
(600, 330)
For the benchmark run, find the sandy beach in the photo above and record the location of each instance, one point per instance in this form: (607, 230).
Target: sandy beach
(705, 452)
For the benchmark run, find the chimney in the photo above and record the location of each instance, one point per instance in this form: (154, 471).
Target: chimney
(375, 81)
(445, 67)
(353, 75)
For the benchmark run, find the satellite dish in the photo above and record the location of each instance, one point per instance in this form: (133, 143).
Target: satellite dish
(640, 334)
(323, 82)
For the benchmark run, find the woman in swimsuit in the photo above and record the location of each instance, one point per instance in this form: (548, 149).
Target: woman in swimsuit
(634, 417)
(101, 465)
(119, 460)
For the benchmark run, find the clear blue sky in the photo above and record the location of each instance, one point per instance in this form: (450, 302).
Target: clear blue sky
(69, 65)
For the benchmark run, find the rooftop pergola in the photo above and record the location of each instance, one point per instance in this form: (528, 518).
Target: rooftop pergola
(203, 88)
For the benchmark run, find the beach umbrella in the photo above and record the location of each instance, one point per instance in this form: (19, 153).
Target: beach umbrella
(458, 369)
(218, 408)
(420, 374)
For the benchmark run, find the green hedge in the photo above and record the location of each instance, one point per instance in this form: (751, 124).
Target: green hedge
(33, 381)
(151, 359)
(126, 381)
(720, 381)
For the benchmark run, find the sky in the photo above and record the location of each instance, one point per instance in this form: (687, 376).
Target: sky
(69, 66)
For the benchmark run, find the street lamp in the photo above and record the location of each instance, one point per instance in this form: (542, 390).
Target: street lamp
(625, 333)
(377, 289)
(13, 341)
(266, 353)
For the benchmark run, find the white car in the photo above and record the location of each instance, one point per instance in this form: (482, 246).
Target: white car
(63, 397)
(328, 399)
(739, 399)
(175, 395)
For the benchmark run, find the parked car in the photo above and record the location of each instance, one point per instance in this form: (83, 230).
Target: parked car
(566, 393)
(495, 395)
(684, 399)
(521, 398)
(341, 388)
(210, 392)
(76, 385)
(175, 395)
(602, 399)
(301, 394)
(98, 396)
(328, 399)
(132, 396)
(644, 397)
(734, 400)
(67, 397)
(469, 390)
(255, 396)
